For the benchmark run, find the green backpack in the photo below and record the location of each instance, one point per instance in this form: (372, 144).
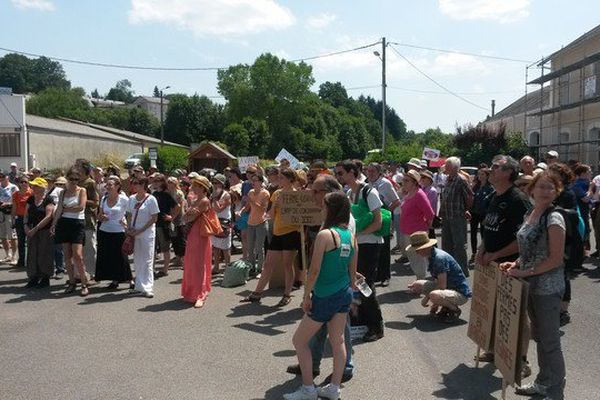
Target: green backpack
(363, 215)
(236, 274)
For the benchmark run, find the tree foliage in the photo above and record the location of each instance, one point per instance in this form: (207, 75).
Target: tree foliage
(121, 92)
(192, 119)
(31, 75)
(169, 159)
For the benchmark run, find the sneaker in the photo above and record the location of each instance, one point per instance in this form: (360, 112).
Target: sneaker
(451, 317)
(295, 369)
(302, 394)
(149, 295)
(531, 389)
(84, 291)
(329, 392)
(58, 276)
(525, 370)
(6, 260)
(565, 318)
(43, 283)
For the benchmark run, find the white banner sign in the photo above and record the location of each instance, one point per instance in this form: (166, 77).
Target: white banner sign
(286, 155)
(430, 154)
(245, 162)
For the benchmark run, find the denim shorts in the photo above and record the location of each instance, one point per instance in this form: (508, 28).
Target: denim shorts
(324, 308)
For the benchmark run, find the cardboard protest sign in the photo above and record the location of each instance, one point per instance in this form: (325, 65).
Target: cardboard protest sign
(245, 162)
(286, 155)
(511, 300)
(299, 208)
(430, 154)
(483, 304)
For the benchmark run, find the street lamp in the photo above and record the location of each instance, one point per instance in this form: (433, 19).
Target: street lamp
(162, 125)
(381, 56)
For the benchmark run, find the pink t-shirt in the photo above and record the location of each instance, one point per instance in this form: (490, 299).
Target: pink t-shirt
(416, 213)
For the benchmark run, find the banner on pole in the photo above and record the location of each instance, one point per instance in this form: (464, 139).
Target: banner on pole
(245, 162)
(286, 155)
(430, 154)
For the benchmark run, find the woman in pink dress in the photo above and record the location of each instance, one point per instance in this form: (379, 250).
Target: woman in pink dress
(197, 262)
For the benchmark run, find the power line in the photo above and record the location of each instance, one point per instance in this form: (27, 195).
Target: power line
(461, 93)
(366, 46)
(459, 52)
(437, 83)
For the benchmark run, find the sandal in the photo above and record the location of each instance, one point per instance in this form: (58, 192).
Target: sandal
(70, 288)
(285, 300)
(254, 297)
(84, 291)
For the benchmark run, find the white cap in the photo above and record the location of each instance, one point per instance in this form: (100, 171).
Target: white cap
(193, 175)
(552, 154)
(13, 164)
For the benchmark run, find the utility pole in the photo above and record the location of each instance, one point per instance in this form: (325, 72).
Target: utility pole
(383, 87)
(162, 125)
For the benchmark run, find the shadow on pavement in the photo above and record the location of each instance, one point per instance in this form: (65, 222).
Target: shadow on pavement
(285, 353)
(106, 298)
(263, 330)
(171, 305)
(399, 296)
(268, 326)
(424, 323)
(52, 292)
(469, 383)
(277, 392)
(248, 309)
(401, 270)
(14, 282)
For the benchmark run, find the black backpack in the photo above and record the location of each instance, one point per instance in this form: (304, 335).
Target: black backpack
(574, 246)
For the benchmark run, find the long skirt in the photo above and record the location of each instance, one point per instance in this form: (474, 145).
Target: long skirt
(197, 265)
(111, 264)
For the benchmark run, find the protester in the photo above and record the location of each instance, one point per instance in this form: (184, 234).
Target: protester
(283, 245)
(551, 157)
(417, 215)
(581, 188)
(456, 200)
(68, 228)
(449, 288)
(390, 201)
(258, 201)
(7, 234)
(196, 283)
(369, 244)
(178, 238)
(111, 264)
(327, 296)
(13, 175)
(432, 194)
(482, 191)
(541, 241)
(527, 164)
(165, 227)
(142, 214)
(91, 212)
(19, 205)
(221, 202)
(40, 246)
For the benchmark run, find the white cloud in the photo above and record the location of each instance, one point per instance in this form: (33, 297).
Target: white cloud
(213, 17)
(495, 10)
(320, 21)
(40, 5)
(457, 64)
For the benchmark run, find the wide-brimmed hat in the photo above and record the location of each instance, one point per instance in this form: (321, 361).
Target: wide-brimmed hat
(413, 174)
(220, 178)
(61, 180)
(427, 174)
(41, 182)
(415, 162)
(202, 181)
(420, 240)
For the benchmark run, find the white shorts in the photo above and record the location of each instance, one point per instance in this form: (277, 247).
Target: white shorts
(6, 230)
(452, 296)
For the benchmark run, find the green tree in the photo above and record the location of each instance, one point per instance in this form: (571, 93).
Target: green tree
(121, 92)
(478, 144)
(333, 93)
(55, 103)
(95, 94)
(169, 158)
(156, 92)
(193, 119)
(394, 124)
(236, 138)
(141, 121)
(258, 135)
(27, 75)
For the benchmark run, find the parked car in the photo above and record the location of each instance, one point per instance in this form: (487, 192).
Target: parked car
(133, 160)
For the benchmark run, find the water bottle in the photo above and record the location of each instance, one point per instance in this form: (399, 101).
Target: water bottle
(364, 288)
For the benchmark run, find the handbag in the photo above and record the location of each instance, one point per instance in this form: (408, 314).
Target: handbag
(225, 227)
(209, 224)
(128, 244)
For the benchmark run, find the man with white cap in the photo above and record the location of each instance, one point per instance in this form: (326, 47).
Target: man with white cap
(7, 233)
(449, 288)
(551, 157)
(13, 175)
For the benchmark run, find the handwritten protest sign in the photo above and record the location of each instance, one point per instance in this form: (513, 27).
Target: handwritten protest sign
(245, 162)
(483, 304)
(286, 155)
(511, 300)
(299, 208)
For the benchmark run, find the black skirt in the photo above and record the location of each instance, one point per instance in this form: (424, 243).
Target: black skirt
(111, 264)
(70, 230)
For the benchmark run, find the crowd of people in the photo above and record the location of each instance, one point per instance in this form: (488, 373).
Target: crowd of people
(92, 223)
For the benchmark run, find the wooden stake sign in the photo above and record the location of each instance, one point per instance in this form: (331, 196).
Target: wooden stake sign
(483, 305)
(299, 208)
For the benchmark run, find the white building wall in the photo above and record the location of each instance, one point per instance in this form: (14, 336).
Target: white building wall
(12, 120)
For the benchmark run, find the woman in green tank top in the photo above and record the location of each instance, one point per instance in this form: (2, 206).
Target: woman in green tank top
(327, 295)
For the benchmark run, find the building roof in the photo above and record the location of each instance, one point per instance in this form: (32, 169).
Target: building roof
(219, 149)
(530, 102)
(61, 125)
(148, 99)
(586, 36)
(138, 137)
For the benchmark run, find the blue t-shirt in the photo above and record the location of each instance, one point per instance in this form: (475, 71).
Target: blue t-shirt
(441, 262)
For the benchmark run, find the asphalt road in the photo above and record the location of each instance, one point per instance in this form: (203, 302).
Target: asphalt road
(114, 346)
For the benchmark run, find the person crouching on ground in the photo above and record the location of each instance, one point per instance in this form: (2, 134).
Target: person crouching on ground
(327, 297)
(449, 288)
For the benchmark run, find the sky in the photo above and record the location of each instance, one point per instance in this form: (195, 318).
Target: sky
(219, 33)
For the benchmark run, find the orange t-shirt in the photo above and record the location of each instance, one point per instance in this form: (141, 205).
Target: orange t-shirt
(20, 201)
(258, 206)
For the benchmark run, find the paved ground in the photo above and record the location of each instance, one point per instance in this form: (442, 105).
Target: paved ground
(113, 346)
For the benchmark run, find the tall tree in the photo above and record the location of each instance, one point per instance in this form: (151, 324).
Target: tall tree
(156, 92)
(193, 119)
(95, 94)
(121, 92)
(27, 75)
(333, 93)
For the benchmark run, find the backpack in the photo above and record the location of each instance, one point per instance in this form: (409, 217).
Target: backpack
(363, 215)
(574, 246)
(236, 274)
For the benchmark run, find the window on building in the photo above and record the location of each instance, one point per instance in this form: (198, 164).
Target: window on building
(594, 135)
(563, 90)
(534, 139)
(10, 144)
(564, 137)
